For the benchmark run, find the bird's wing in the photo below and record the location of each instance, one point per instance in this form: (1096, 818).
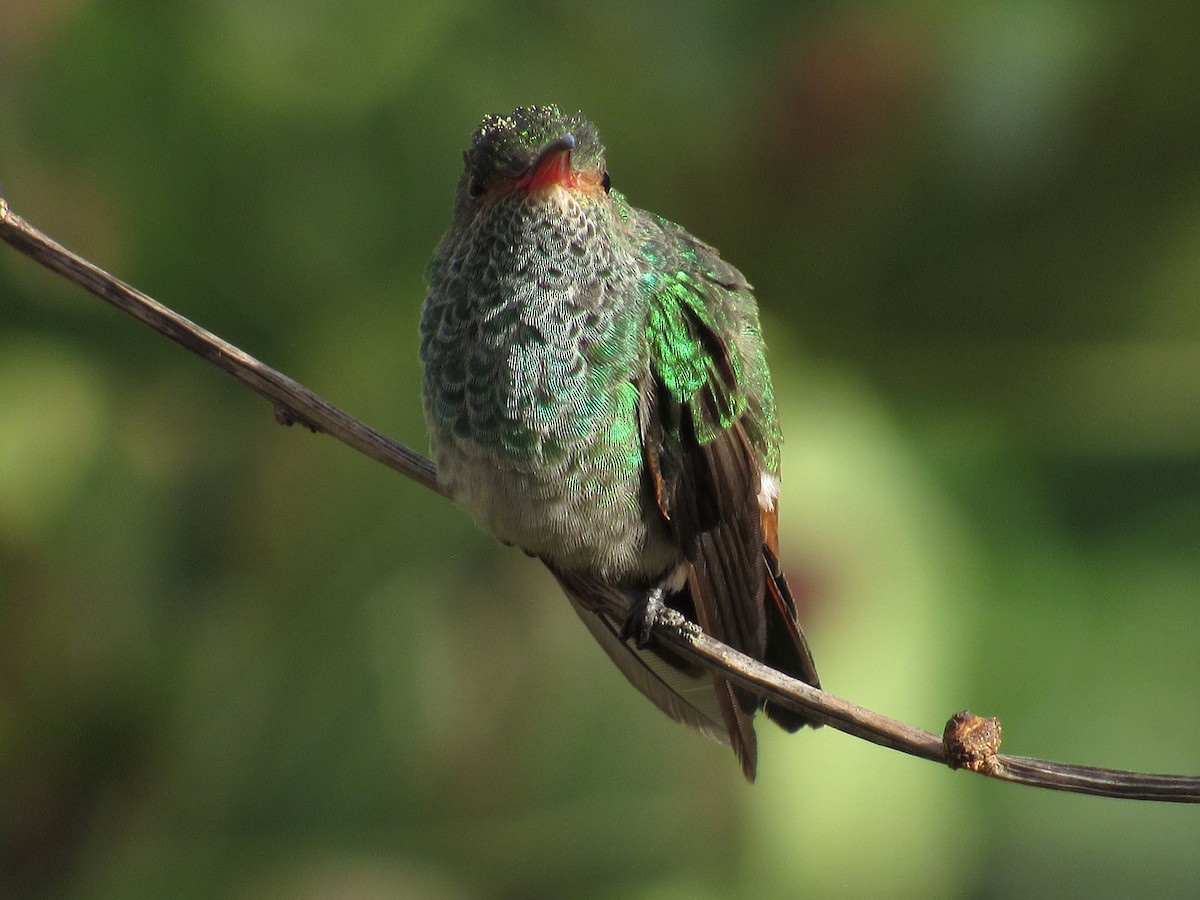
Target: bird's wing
(706, 444)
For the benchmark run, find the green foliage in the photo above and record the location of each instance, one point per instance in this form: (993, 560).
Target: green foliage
(237, 660)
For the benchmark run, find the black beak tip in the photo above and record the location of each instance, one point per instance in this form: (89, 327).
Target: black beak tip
(559, 145)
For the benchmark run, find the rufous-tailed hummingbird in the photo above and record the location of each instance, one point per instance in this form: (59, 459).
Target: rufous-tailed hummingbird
(597, 394)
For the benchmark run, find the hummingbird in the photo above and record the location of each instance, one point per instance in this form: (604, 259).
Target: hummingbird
(597, 394)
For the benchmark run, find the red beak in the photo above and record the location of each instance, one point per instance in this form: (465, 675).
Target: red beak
(553, 164)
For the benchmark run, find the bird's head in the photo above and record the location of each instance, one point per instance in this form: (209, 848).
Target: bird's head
(529, 156)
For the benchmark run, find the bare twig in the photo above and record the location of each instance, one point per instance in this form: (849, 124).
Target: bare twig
(293, 402)
(969, 742)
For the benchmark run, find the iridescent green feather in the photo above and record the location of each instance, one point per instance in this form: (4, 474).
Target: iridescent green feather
(689, 291)
(683, 364)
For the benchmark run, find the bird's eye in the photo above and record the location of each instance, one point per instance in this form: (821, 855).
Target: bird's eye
(476, 188)
(605, 181)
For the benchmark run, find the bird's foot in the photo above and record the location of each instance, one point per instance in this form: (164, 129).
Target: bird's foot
(643, 615)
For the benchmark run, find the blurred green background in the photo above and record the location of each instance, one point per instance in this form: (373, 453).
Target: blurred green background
(241, 661)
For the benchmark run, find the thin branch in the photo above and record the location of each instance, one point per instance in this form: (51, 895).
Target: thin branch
(293, 402)
(969, 742)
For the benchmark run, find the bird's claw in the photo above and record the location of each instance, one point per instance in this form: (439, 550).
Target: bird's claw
(643, 615)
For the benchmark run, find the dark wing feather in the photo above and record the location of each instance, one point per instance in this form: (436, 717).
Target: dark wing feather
(787, 649)
(708, 436)
(681, 690)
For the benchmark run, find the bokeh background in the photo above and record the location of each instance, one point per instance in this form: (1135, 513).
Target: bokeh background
(241, 661)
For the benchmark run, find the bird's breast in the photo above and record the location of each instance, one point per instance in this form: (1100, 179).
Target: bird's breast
(534, 349)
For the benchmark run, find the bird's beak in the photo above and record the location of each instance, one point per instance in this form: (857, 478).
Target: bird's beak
(553, 164)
